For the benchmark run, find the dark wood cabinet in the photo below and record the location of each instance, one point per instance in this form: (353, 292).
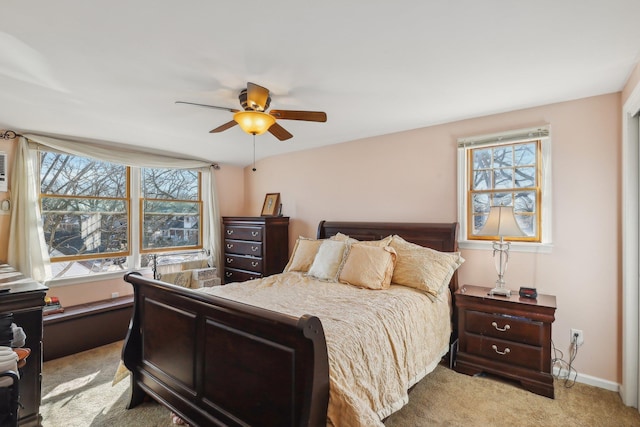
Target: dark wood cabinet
(25, 300)
(254, 247)
(506, 336)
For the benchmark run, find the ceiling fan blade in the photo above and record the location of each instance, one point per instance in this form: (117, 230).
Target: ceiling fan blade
(309, 116)
(224, 127)
(233, 110)
(257, 97)
(279, 132)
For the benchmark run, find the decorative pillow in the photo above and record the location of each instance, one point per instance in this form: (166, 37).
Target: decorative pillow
(328, 260)
(181, 278)
(343, 238)
(304, 252)
(423, 268)
(196, 263)
(350, 240)
(368, 266)
(380, 243)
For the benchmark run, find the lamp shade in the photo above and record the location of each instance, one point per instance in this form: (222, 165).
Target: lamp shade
(501, 222)
(254, 122)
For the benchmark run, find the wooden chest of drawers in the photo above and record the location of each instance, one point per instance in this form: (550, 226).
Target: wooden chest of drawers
(25, 301)
(254, 247)
(506, 336)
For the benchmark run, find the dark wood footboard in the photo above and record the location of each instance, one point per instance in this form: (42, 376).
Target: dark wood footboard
(218, 362)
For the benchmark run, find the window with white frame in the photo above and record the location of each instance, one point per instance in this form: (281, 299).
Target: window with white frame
(507, 169)
(90, 226)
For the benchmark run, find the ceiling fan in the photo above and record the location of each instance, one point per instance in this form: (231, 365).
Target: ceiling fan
(254, 118)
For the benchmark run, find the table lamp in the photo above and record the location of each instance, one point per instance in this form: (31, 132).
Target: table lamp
(502, 223)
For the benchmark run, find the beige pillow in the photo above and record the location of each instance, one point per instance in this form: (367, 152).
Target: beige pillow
(369, 266)
(304, 252)
(343, 238)
(328, 260)
(181, 278)
(423, 268)
(381, 243)
(350, 240)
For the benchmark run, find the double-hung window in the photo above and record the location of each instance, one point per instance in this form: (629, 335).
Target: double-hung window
(508, 169)
(90, 225)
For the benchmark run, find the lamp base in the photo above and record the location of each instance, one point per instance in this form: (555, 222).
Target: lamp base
(500, 291)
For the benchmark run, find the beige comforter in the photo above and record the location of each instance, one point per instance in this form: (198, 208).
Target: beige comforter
(379, 343)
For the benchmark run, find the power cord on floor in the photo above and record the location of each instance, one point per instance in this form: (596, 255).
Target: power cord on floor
(566, 371)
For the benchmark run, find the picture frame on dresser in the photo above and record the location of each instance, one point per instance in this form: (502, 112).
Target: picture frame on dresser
(271, 205)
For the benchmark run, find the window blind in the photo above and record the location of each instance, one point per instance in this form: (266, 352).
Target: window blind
(508, 137)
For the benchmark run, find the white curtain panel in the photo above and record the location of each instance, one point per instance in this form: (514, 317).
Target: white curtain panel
(27, 249)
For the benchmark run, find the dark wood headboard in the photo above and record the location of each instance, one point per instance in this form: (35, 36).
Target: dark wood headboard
(442, 237)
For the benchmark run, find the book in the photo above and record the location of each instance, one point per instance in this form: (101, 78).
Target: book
(52, 305)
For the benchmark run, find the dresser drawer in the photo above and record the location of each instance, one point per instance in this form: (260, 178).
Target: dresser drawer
(231, 275)
(505, 327)
(513, 353)
(243, 247)
(238, 232)
(243, 262)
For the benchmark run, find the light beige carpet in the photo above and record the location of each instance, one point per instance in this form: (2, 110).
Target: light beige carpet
(77, 391)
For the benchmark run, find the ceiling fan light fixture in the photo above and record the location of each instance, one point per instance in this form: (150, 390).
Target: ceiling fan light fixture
(254, 122)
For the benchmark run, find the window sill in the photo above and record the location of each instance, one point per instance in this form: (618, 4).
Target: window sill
(99, 277)
(539, 248)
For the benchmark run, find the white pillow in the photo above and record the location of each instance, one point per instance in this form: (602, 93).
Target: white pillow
(328, 260)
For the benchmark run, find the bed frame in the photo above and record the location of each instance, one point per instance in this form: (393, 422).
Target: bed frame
(218, 362)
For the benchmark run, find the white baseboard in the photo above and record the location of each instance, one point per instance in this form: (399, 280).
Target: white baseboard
(589, 380)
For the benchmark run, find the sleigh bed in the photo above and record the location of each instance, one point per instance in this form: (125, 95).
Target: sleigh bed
(216, 358)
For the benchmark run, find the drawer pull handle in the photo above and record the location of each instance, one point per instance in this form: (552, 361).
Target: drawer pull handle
(228, 274)
(254, 248)
(254, 263)
(229, 232)
(506, 327)
(254, 233)
(229, 245)
(229, 260)
(506, 350)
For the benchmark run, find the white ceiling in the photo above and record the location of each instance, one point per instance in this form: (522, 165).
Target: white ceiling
(112, 70)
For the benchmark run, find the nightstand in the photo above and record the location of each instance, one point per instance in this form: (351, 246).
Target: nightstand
(506, 336)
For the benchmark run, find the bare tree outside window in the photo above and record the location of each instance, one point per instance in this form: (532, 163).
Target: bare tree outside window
(505, 175)
(171, 209)
(87, 217)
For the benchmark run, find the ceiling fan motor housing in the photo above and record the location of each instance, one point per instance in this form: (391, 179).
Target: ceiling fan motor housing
(244, 102)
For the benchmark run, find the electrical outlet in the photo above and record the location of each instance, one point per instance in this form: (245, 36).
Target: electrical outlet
(115, 294)
(579, 339)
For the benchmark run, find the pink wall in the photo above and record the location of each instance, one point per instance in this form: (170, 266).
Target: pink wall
(6, 146)
(411, 176)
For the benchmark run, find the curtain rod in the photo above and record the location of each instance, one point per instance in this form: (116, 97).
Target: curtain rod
(8, 134)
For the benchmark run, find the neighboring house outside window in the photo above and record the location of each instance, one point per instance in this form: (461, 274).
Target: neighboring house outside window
(508, 169)
(90, 226)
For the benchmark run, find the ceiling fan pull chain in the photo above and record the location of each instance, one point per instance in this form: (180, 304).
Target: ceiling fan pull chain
(254, 152)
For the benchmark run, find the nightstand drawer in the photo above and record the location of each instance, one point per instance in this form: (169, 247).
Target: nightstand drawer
(243, 262)
(243, 247)
(510, 352)
(505, 327)
(243, 233)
